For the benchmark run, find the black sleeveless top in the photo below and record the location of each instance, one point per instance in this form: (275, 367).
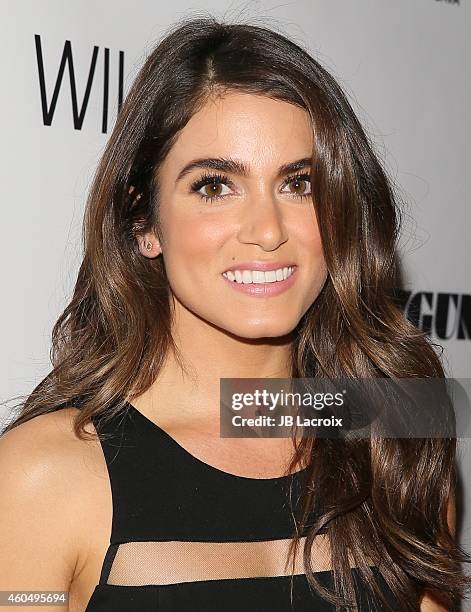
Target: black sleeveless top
(189, 537)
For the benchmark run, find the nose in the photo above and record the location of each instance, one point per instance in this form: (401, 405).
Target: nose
(262, 221)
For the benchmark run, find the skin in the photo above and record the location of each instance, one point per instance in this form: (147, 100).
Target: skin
(259, 218)
(59, 484)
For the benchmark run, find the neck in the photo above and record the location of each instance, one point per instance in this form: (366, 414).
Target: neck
(208, 353)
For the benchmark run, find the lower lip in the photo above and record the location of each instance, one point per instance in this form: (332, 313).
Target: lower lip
(264, 289)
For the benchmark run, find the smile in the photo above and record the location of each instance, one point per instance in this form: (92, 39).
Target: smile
(261, 284)
(247, 277)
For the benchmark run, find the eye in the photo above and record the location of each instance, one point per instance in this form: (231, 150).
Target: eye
(210, 186)
(302, 185)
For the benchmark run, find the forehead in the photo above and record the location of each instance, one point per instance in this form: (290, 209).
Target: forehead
(255, 128)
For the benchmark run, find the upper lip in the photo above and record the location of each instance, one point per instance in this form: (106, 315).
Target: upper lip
(263, 266)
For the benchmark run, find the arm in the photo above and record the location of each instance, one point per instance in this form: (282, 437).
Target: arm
(38, 549)
(427, 603)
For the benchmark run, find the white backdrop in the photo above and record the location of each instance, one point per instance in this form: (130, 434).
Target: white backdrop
(404, 65)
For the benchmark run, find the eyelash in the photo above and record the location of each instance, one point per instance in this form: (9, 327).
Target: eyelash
(208, 179)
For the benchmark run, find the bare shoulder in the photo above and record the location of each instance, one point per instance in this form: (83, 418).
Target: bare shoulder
(58, 423)
(45, 451)
(48, 488)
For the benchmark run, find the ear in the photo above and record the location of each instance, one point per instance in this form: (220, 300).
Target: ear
(149, 245)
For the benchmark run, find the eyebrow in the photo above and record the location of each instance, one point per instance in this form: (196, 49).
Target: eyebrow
(225, 164)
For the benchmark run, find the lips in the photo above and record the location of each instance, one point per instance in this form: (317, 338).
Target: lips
(263, 290)
(262, 266)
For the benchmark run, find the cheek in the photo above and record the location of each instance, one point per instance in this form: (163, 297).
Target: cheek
(193, 238)
(318, 263)
(310, 238)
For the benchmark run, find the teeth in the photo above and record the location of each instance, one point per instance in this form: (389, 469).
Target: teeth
(246, 277)
(257, 276)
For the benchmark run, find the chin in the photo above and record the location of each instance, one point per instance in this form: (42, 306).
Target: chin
(260, 329)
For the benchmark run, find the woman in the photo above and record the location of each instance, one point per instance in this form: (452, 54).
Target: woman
(234, 151)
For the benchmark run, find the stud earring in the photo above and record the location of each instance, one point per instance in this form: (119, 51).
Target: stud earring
(148, 245)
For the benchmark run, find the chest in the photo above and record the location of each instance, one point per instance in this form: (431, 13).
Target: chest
(157, 562)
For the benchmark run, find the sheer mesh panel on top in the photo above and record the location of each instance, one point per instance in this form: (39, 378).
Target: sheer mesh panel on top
(173, 562)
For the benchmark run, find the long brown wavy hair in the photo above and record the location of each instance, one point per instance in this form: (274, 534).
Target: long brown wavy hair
(384, 499)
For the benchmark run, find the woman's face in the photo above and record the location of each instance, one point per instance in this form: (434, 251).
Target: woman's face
(256, 216)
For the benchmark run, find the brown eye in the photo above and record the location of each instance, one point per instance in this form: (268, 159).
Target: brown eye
(299, 186)
(212, 190)
(211, 187)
